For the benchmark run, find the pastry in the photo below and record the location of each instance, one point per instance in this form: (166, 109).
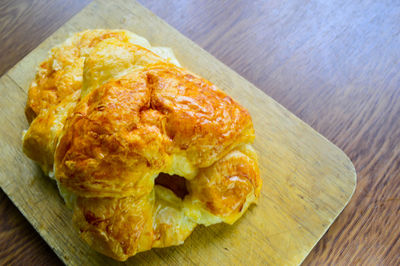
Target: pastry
(142, 150)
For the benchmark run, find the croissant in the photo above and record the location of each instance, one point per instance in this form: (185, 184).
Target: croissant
(142, 150)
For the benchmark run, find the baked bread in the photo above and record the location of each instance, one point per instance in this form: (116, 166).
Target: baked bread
(142, 149)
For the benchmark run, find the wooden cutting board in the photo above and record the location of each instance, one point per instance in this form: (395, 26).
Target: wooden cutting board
(307, 179)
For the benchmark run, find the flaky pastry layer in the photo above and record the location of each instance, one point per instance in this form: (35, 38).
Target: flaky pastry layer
(109, 114)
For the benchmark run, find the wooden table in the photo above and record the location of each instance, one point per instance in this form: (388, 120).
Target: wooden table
(335, 64)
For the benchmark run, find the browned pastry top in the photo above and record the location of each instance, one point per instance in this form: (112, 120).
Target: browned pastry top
(110, 114)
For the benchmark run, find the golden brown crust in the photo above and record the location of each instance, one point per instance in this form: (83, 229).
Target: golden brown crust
(223, 189)
(125, 132)
(203, 121)
(117, 227)
(61, 74)
(41, 138)
(107, 150)
(109, 115)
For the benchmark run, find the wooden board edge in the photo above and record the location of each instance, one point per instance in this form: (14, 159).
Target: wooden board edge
(349, 197)
(58, 252)
(13, 197)
(16, 197)
(351, 166)
(37, 229)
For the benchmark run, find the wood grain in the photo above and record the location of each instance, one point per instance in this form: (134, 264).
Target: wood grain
(333, 64)
(307, 180)
(336, 65)
(20, 244)
(24, 24)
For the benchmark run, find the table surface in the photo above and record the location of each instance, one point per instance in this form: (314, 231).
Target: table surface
(335, 64)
